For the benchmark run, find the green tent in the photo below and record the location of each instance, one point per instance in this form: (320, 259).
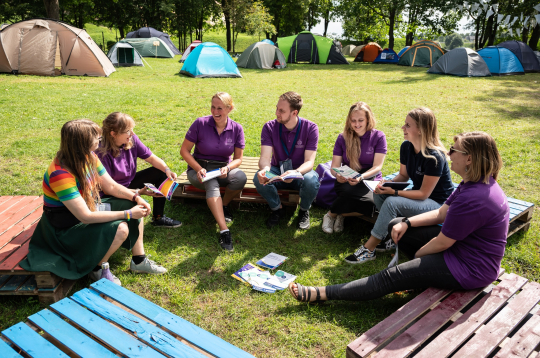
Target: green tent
(306, 47)
(150, 47)
(422, 54)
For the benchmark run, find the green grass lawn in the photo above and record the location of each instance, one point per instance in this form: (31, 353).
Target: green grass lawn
(199, 286)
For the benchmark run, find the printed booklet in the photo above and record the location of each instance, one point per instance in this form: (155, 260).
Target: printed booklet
(346, 172)
(372, 184)
(271, 261)
(212, 174)
(166, 188)
(263, 281)
(276, 178)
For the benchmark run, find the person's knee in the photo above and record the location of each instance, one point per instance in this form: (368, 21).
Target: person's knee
(311, 180)
(122, 232)
(240, 178)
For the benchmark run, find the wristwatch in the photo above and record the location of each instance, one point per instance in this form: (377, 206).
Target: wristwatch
(406, 221)
(396, 192)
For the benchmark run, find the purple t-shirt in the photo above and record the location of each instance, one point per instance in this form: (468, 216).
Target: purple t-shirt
(478, 220)
(211, 146)
(373, 141)
(307, 140)
(124, 167)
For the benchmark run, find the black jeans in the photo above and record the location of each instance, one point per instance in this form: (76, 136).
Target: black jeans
(426, 271)
(153, 176)
(353, 199)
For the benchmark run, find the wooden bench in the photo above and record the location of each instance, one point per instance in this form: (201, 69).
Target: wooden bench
(501, 320)
(18, 219)
(110, 321)
(521, 212)
(250, 165)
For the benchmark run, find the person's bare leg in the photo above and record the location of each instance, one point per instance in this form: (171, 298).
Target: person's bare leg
(138, 248)
(332, 215)
(372, 243)
(120, 236)
(322, 290)
(230, 195)
(216, 207)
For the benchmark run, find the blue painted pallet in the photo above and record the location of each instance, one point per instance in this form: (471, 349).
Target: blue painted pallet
(7, 352)
(31, 342)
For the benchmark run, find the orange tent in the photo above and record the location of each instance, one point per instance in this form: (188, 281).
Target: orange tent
(368, 53)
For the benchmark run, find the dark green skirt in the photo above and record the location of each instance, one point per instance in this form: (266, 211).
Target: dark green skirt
(72, 253)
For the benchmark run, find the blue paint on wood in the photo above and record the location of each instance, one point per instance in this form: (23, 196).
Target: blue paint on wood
(14, 282)
(103, 330)
(32, 343)
(187, 330)
(521, 202)
(51, 289)
(29, 286)
(148, 333)
(69, 336)
(7, 352)
(3, 279)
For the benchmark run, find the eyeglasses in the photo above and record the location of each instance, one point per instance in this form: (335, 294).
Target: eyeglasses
(452, 150)
(99, 138)
(129, 131)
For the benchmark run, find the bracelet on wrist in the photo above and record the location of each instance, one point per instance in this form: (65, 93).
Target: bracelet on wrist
(167, 169)
(135, 195)
(228, 169)
(126, 215)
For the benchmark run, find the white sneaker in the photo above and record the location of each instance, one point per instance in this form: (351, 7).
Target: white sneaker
(338, 224)
(328, 224)
(147, 266)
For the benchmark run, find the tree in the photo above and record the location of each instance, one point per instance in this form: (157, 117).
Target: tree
(237, 10)
(259, 21)
(453, 41)
(52, 9)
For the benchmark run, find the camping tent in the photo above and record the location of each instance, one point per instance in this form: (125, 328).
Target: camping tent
(387, 56)
(150, 47)
(261, 55)
(347, 50)
(461, 61)
(210, 60)
(368, 53)
(189, 49)
(268, 42)
(38, 46)
(524, 54)
(423, 54)
(501, 61)
(307, 47)
(537, 53)
(357, 49)
(403, 50)
(123, 54)
(147, 32)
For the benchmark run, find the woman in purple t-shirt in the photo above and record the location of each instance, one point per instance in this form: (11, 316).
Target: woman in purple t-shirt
(466, 253)
(216, 138)
(362, 148)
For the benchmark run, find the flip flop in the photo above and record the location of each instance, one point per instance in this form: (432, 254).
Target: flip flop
(304, 293)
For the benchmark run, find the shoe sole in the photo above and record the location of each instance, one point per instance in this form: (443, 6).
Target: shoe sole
(385, 250)
(167, 226)
(150, 273)
(328, 231)
(359, 262)
(304, 228)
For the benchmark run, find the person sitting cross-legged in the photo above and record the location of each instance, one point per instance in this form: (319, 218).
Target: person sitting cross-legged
(288, 144)
(465, 253)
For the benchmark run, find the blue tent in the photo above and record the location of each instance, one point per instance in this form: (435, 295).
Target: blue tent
(403, 50)
(268, 42)
(209, 60)
(387, 56)
(501, 61)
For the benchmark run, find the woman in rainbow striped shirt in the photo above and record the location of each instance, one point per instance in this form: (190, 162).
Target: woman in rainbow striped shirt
(79, 231)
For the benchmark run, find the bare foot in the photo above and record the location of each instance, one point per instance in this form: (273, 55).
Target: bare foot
(293, 288)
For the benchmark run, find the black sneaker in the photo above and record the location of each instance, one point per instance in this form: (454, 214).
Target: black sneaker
(273, 220)
(387, 245)
(163, 221)
(225, 240)
(303, 219)
(227, 213)
(361, 255)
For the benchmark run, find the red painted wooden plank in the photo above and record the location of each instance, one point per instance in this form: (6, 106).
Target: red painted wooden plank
(8, 213)
(16, 243)
(524, 341)
(415, 335)
(9, 203)
(13, 261)
(466, 325)
(4, 198)
(16, 229)
(492, 334)
(21, 213)
(366, 343)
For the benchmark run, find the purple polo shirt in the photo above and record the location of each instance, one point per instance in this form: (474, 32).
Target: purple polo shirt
(478, 220)
(209, 144)
(307, 140)
(124, 167)
(373, 141)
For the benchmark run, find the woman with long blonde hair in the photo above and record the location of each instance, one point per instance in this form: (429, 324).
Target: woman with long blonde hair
(423, 160)
(362, 148)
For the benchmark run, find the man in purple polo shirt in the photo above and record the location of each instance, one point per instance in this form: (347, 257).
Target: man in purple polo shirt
(288, 144)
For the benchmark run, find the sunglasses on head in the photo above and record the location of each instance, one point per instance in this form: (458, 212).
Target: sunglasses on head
(452, 150)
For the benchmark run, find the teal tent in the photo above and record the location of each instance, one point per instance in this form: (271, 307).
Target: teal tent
(209, 60)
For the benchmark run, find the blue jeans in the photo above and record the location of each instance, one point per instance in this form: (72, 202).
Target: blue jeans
(308, 189)
(390, 207)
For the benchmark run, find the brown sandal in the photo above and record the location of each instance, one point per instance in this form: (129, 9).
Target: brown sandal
(304, 293)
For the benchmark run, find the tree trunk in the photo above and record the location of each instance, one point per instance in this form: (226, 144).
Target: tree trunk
(476, 34)
(525, 34)
(326, 21)
(392, 16)
(486, 30)
(227, 15)
(493, 35)
(535, 36)
(52, 9)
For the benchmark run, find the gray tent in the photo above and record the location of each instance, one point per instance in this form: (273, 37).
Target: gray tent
(261, 55)
(461, 61)
(123, 54)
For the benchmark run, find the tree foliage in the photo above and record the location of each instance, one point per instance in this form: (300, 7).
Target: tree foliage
(453, 41)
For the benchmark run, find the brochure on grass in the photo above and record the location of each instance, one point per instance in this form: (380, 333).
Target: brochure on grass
(280, 280)
(272, 260)
(166, 188)
(247, 267)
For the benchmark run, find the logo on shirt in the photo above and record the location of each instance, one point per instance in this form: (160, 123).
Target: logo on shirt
(370, 150)
(299, 144)
(189, 131)
(419, 171)
(229, 142)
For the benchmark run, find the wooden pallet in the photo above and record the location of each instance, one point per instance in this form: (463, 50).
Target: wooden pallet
(497, 321)
(250, 166)
(18, 219)
(521, 212)
(110, 321)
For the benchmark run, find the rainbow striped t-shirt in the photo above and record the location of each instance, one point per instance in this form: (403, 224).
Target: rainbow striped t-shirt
(60, 185)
